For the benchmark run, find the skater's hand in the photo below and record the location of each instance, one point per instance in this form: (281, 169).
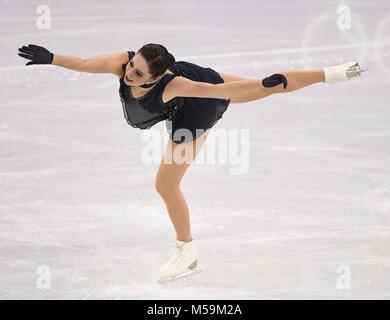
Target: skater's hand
(37, 54)
(275, 80)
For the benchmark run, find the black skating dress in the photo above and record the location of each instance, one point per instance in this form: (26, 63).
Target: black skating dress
(186, 117)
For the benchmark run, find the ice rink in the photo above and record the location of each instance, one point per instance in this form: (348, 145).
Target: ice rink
(310, 218)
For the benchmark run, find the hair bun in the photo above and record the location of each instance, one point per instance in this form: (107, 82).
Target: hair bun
(171, 59)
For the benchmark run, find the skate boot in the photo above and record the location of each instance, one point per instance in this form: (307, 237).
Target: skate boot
(182, 263)
(346, 71)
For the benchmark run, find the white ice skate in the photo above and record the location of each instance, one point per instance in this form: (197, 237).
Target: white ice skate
(346, 71)
(182, 263)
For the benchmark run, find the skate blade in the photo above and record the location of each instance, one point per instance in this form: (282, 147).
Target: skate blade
(186, 274)
(360, 68)
(355, 71)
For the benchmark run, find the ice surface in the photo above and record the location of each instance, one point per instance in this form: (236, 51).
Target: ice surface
(76, 196)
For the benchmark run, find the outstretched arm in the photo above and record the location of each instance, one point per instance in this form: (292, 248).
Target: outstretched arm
(111, 63)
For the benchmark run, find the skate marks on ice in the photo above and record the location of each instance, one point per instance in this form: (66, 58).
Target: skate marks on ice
(182, 277)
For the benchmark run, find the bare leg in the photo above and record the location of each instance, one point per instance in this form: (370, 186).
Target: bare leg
(300, 79)
(296, 80)
(168, 180)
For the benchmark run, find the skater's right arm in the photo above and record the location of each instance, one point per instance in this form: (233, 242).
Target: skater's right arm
(110, 63)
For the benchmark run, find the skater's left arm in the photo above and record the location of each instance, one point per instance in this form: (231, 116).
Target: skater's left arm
(183, 87)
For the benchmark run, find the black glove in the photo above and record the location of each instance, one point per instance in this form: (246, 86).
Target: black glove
(37, 54)
(274, 80)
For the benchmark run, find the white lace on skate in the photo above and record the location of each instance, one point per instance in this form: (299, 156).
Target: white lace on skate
(177, 266)
(177, 257)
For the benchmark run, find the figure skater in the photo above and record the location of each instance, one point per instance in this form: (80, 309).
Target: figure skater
(154, 87)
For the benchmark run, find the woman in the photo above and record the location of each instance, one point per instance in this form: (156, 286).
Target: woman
(154, 87)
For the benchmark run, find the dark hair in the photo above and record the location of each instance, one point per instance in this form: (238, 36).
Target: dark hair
(157, 57)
